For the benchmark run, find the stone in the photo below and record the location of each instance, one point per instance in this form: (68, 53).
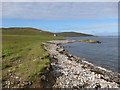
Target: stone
(22, 85)
(10, 71)
(43, 77)
(69, 72)
(16, 77)
(97, 85)
(104, 85)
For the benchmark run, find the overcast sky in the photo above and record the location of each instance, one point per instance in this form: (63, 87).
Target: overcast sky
(73, 16)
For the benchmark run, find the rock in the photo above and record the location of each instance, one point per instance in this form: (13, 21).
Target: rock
(10, 71)
(8, 82)
(104, 85)
(97, 85)
(69, 73)
(22, 85)
(66, 73)
(43, 77)
(16, 77)
(27, 83)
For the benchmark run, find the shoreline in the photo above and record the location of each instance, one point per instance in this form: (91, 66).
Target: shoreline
(92, 62)
(78, 72)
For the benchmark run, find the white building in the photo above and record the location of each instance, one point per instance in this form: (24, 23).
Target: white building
(55, 35)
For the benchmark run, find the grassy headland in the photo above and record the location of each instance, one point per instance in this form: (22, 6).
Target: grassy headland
(23, 58)
(72, 34)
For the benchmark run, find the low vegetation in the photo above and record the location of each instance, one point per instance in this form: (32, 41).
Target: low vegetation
(23, 57)
(89, 41)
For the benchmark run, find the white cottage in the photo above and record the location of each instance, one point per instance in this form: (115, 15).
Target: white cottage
(55, 35)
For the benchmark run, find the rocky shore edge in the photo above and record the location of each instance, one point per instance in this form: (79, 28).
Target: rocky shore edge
(70, 71)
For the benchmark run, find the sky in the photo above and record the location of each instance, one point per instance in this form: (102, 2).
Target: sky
(97, 18)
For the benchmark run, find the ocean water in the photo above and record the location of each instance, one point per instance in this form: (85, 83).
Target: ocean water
(104, 54)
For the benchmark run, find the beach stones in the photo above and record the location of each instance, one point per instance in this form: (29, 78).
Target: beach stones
(73, 72)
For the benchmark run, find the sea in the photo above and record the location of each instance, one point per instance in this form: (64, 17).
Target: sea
(103, 54)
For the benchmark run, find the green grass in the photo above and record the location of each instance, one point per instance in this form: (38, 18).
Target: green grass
(23, 54)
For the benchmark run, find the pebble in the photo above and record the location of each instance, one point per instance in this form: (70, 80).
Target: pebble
(16, 77)
(43, 77)
(10, 71)
(22, 85)
(74, 76)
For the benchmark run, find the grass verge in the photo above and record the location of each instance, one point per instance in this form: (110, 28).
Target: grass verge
(23, 58)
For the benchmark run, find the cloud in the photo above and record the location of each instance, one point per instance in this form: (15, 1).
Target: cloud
(59, 11)
(60, 0)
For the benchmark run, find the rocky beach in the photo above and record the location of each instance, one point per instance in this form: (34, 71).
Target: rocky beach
(71, 71)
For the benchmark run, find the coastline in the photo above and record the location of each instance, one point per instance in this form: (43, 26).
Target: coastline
(73, 72)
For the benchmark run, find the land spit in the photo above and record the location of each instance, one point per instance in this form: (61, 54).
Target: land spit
(71, 71)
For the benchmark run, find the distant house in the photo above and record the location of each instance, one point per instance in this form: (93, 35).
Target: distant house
(55, 35)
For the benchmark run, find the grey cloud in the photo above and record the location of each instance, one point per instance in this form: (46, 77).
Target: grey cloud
(60, 11)
(60, 0)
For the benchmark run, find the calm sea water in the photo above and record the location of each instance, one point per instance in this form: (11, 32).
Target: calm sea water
(104, 54)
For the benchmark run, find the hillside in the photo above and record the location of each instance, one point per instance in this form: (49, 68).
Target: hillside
(24, 31)
(23, 57)
(72, 34)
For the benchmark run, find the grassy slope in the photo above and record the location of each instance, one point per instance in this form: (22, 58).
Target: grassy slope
(72, 34)
(23, 54)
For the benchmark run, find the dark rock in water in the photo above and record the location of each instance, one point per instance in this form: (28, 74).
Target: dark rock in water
(96, 70)
(70, 59)
(68, 55)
